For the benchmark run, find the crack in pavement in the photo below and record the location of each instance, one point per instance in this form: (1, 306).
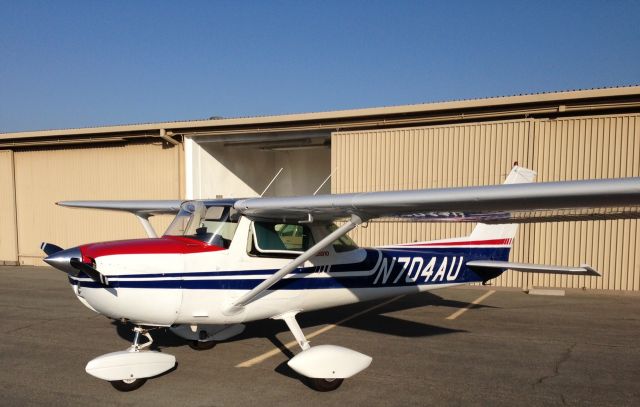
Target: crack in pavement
(566, 355)
(556, 369)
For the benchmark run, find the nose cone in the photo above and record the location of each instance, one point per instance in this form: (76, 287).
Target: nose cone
(61, 260)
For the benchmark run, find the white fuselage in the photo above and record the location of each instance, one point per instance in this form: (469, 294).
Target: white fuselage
(196, 288)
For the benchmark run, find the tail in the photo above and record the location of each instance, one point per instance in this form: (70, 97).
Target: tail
(503, 234)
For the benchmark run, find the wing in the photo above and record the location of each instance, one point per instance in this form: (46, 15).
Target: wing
(141, 209)
(507, 203)
(148, 208)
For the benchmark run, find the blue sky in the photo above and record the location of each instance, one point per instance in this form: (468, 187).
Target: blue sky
(86, 63)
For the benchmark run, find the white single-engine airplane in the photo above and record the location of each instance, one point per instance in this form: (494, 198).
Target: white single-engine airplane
(224, 262)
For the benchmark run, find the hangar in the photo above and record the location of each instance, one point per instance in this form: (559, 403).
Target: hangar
(561, 135)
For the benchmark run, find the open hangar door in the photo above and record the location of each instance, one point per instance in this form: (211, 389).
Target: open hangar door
(239, 166)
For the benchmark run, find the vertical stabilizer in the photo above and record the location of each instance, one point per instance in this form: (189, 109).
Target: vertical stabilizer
(518, 175)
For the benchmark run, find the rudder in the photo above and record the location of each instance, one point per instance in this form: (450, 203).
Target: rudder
(505, 232)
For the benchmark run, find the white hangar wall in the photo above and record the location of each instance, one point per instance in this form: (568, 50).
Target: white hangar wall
(214, 170)
(605, 146)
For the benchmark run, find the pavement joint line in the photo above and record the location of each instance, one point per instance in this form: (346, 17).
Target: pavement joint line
(468, 307)
(292, 344)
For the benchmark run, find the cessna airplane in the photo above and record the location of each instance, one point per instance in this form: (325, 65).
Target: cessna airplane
(224, 262)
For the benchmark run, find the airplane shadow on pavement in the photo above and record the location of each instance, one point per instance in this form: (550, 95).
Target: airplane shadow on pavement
(372, 321)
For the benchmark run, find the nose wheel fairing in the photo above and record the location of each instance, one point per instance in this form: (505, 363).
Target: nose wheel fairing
(130, 365)
(128, 370)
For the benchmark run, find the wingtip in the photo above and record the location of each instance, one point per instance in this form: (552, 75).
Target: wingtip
(590, 270)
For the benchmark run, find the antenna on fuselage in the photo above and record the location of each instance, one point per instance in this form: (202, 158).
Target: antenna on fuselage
(325, 181)
(273, 179)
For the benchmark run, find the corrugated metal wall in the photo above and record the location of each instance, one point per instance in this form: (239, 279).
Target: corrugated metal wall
(8, 231)
(45, 176)
(482, 154)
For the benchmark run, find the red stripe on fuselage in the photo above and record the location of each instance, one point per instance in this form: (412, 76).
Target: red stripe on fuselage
(464, 243)
(162, 245)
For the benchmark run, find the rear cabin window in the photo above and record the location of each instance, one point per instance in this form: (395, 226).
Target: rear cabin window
(280, 239)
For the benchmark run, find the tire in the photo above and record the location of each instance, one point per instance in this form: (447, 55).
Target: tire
(325, 384)
(201, 345)
(128, 385)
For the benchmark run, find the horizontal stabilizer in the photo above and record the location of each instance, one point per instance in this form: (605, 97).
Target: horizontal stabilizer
(583, 270)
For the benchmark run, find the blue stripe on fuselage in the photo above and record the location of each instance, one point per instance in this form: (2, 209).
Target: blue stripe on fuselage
(398, 267)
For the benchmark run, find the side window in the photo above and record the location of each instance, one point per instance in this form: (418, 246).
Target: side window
(276, 239)
(344, 243)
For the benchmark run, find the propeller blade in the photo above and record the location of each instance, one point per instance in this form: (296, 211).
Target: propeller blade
(50, 248)
(94, 274)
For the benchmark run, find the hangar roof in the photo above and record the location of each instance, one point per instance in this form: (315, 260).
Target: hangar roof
(563, 103)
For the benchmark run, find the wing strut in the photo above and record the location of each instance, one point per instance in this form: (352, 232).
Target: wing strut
(238, 305)
(144, 220)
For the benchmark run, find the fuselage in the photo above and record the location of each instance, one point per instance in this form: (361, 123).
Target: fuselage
(180, 280)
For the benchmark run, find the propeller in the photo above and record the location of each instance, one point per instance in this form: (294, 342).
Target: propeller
(70, 261)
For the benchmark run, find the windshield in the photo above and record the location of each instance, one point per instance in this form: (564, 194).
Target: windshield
(214, 225)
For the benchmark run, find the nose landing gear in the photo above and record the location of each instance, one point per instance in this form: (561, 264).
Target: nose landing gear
(129, 369)
(137, 331)
(125, 385)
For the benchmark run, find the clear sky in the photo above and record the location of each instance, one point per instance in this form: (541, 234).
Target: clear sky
(86, 63)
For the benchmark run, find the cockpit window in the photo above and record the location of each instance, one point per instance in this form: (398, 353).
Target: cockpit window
(214, 225)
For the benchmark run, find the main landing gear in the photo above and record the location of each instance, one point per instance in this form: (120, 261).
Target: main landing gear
(201, 345)
(128, 370)
(324, 366)
(324, 384)
(205, 337)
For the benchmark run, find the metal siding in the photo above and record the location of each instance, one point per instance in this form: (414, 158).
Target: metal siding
(482, 154)
(583, 148)
(43, 177)
(426, 157)
(8, 230)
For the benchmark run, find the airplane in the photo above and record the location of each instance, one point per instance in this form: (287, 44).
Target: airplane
(222, 263)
